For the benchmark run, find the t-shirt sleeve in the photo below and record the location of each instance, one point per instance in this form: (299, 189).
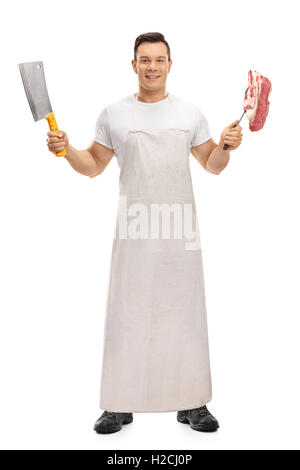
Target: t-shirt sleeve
(102, 130)
(202, 132)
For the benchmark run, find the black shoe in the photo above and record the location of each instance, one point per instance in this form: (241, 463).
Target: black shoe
(111, 422)
(200, 419)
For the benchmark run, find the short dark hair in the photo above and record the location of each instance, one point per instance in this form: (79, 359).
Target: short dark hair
(151, 37)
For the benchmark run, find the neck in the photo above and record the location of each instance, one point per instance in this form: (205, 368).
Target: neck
(151, 96)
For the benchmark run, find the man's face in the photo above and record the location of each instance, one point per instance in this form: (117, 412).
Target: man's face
(152, 60)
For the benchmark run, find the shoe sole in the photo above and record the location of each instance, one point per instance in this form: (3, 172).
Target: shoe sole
(206, 429)
(106, 431)
(211, 428)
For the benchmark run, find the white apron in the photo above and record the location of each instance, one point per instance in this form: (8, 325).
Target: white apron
(156, 352)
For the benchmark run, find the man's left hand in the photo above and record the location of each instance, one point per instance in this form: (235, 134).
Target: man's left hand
(231, 136)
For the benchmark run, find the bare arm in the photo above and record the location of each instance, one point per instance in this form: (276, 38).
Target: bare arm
(92, 161)
(211, 156)
(102, 155)
(218, 159)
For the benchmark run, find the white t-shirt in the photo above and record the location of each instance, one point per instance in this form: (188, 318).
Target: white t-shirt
(116, 119)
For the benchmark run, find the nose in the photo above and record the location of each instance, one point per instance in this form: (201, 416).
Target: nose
(152, 65)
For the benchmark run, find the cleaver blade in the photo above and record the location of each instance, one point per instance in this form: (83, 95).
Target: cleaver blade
(34, 82)
(33, 78)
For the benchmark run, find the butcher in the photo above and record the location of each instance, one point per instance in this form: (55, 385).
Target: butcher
(155, 350)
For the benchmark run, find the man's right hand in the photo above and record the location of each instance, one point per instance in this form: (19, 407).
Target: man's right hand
(57, 142)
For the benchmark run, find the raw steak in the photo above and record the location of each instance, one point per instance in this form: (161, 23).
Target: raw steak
(256, 102)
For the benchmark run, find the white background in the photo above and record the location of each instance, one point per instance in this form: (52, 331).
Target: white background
(57, 225)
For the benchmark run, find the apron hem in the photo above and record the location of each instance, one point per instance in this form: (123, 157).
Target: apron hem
(188, 407)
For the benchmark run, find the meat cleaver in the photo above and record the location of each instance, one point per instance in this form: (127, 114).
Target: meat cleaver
(34, 82)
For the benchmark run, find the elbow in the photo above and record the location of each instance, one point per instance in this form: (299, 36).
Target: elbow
(214, 171)
(95, 173)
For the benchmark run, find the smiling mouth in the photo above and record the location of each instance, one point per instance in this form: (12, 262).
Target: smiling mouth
(152, 77)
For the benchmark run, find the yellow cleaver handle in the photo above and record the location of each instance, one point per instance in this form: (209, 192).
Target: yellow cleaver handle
(54, 128)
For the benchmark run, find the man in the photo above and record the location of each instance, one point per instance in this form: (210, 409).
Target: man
(156, 354)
